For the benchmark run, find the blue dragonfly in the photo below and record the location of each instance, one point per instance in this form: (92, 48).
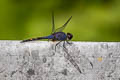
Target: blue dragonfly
(56, 35)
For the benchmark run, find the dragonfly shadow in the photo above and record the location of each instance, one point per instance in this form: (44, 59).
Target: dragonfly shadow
(62, 49)
(72, 53)
(80, 58)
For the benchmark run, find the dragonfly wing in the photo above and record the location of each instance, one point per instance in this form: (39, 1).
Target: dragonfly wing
(61, 28)
(53, 23)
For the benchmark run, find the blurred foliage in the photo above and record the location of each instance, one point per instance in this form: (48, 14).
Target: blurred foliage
(93, 20)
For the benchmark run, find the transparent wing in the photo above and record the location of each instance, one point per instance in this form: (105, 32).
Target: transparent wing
(53, 23)
(61, 28)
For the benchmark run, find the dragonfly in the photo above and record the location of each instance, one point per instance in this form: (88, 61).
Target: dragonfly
(56, 34)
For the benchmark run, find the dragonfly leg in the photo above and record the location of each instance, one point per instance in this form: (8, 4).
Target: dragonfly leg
(57, 44)
(69, 42)
(64, 45)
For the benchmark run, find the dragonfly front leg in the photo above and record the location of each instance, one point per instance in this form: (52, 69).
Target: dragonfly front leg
(69, 42)
(57, 44)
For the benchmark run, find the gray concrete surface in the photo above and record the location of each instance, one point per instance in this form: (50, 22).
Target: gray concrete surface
(39, 61)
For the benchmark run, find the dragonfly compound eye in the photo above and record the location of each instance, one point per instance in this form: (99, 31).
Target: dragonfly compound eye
(69, 36)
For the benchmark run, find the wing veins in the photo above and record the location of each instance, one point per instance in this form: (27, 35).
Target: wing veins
(61, 28)
(53, 23)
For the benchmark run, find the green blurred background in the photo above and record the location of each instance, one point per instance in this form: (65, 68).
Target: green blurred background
(93, 20)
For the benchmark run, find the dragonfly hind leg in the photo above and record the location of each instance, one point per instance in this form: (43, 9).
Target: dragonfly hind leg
(57, 44)
(64, 45)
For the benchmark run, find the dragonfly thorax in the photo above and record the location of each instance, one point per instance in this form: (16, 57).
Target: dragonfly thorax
(69, 36)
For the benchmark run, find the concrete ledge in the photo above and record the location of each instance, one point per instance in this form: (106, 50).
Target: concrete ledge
(39, 61)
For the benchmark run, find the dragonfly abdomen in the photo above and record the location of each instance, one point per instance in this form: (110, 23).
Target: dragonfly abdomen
(38, 38)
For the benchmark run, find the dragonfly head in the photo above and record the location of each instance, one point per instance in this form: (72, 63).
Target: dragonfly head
(69, 36)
